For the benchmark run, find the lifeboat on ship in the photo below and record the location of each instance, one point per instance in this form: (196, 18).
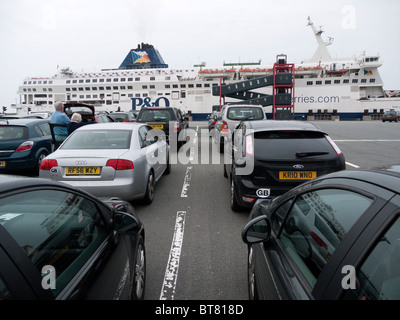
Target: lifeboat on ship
(340, 72)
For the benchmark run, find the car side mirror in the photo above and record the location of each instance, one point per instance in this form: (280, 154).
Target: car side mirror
(257, 230)
(125, 223)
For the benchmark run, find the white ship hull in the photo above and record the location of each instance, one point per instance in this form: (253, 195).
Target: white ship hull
(324, 88)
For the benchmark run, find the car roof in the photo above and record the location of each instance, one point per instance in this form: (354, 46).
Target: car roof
(273, 125)
(13, 182)
(157, 108)
(111, 126)
(23, 121)
(386, 179)
(243, 105)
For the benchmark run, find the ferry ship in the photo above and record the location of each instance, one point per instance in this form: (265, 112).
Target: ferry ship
(325, 88)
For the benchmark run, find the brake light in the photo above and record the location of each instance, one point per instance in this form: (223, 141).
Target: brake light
(334, 146)
(25, 146)
(249, 145)
(224, 126)
(47, 164)
(120, 164)
(176, 126)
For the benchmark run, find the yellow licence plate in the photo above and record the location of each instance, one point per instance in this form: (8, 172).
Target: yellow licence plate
(2, 163)
(297, 175)
(157, 126)
(82, 171)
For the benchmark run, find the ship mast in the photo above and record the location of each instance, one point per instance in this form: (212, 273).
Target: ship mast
(322, 52)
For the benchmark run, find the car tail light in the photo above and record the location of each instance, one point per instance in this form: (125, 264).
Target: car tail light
(25, 146)
(47, 164)
(248, 199)
(318, 240)
(249, 145)
(176, 126)
(334, 146)
(120, 164)
(224, 126)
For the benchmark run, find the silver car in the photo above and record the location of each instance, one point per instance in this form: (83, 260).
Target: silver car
(230, 117)
(108, 160)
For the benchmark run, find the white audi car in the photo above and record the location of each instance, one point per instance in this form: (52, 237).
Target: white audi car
(123, 160)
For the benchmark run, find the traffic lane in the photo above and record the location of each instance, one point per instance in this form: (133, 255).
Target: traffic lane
(366, 144)
(371, 155)
(214, 258)
(159, 221)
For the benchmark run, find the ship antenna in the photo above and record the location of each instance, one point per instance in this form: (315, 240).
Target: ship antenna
(322, 52)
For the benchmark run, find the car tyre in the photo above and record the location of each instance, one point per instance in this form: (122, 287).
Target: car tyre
(149, 196)
(139, 277)
(168, 169)
(225, 174)
(233, 199)
(39, 160)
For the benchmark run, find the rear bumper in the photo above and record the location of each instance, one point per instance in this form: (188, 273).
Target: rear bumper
(246, 191)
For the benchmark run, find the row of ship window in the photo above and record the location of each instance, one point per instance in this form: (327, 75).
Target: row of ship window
(345, 81)
(144, 87)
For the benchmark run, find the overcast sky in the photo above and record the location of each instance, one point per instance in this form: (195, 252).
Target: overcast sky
(90, 35)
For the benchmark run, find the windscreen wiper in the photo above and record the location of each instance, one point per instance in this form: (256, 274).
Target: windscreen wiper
(309, 154)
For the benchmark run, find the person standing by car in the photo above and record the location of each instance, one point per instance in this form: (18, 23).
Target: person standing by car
(59, 117)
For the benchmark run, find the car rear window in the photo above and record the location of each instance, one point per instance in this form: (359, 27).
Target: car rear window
(288, 144)
(13, 133)
(245, 113)
(69, 110)
(99, 139)
(158, 115)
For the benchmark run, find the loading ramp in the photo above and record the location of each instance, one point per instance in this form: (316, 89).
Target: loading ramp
(282, 81)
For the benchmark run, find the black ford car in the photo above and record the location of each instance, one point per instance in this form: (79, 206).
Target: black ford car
(268, 158)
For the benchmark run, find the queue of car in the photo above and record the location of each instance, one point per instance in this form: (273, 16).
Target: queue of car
(310, 221)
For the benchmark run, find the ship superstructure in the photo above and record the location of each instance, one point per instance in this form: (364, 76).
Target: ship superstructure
(325, 87)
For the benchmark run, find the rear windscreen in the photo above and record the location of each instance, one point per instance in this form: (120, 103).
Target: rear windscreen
(286, 144)
(69, 110)
(99, 139)
(155, 115)
(289, 134)
(245, 113)
(13, 133)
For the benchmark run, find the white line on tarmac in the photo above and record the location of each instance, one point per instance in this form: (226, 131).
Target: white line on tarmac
(368, 140)
(171, 272)
(352, 165)
(186, 182)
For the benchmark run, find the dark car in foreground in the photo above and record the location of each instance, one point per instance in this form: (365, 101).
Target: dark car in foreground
(24, 143)
(58, 242)
(268, 158)
(336, 237)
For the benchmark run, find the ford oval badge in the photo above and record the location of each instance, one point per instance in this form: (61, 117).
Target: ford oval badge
(298, 166)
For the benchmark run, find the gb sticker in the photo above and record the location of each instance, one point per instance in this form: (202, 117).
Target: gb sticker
(263, 193)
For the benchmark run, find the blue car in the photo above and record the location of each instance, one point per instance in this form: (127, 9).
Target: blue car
(24, 143)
